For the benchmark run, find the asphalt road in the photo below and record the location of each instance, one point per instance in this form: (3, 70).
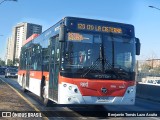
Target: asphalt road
(87, 112)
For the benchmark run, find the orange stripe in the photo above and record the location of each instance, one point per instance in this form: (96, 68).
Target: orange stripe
(93, 87)
(35, 74)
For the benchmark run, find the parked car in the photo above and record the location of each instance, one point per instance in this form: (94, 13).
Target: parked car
(157, 82)
(150, 81)
(2, 71)
(153, 82)
(11, 72)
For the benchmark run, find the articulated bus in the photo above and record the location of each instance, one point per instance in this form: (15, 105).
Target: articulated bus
(81, 61)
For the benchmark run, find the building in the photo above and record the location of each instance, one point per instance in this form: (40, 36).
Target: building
(20, 33)
(149, 64)
(9, 51)
(154, 63)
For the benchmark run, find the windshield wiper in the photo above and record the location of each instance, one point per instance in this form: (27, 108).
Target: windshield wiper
(123, 72)
(99, 62)
(106, 68)
(103, 64)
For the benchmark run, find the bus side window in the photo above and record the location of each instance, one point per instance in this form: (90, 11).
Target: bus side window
(33, 57)
(57, 55)
(38, 57)
(35, 65)
(45, 55)
(52, 57)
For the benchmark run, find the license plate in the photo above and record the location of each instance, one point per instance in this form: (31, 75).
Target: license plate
(103, 99)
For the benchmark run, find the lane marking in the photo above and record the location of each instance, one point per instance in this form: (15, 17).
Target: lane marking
(31, 105)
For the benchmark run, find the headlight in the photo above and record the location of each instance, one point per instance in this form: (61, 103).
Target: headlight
(64, 85)
(76, 90)
(8, 73)
(131, 90)
(70, 87)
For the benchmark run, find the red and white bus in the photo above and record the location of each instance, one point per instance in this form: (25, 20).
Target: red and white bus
(81, 61)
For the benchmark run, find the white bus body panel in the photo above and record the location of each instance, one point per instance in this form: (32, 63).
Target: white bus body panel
(67, 95)
(34, 85)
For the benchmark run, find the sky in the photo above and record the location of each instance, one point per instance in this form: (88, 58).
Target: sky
(146, 20)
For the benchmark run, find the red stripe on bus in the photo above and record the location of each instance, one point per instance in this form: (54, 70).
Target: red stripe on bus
(93, 87)
(35, 74)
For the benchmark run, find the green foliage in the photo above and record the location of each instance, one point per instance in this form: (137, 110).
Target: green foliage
(9, 62)
(146, 67)
(2, 63)
(16, 60)
(156, 70)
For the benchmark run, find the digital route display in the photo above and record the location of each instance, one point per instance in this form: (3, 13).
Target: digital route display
(99, 28)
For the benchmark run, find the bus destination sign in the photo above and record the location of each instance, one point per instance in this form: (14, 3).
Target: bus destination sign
(99, 28)
(75, 36)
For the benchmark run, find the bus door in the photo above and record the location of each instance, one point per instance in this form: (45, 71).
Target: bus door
(54, 68)
(28, 66)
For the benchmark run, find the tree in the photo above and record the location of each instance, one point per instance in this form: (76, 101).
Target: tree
(145, 67)
(2, 63)
(9, 62)
(16, 61)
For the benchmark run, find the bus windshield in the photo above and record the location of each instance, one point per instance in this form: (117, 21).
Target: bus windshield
(98, 56)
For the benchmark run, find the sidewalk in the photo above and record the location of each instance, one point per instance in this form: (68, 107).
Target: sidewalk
(11, 101)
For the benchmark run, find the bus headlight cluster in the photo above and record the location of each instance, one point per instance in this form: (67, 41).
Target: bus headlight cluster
(76, 90)
(130, 91)
(64, 85)
(69, 99)
(70, 87)
(132, 100)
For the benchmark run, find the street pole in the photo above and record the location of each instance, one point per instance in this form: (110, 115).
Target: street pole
(7, 0)
(154, 7)
(157, 9)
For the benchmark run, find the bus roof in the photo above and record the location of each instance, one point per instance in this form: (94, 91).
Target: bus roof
(98, 26)
(66, 20)
(72, 23)
(94, 20)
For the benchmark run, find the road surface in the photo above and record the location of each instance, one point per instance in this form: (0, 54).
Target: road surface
(89, 112)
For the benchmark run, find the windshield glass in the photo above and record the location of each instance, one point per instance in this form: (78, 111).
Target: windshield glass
(120, 53)
(12, 70)
(97, 57)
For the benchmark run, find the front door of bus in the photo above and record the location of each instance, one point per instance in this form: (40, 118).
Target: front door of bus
(54, 68)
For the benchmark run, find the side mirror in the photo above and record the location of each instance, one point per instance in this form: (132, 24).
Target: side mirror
(138, 46)
(62, 33)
